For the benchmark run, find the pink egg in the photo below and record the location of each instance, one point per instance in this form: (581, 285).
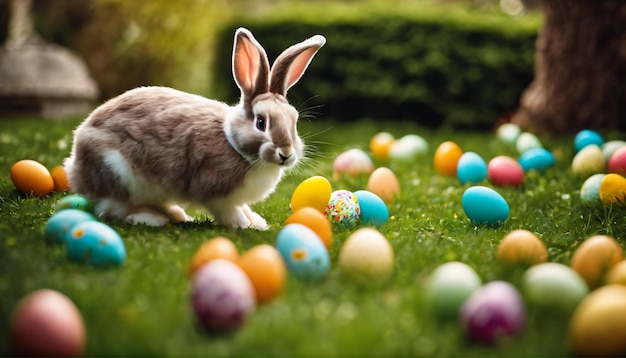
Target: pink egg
(352, 162)
(617, 162)
(505, 171)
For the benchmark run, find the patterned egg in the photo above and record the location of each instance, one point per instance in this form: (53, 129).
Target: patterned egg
(373, 208)
(343, 209)
(62, 222)
(95, 243)
(380, 143)
(587, 137)
(554, 287)
(521, 247)
(493, 312)
(508, 133)
(222, 296)
(505, 171)
(215, 248)
(59, 177)
(590, 190)
(484, 206)
(408, 148)
(594, 257)
(527, 141)
(366, 257)
(74, 201)
(617, 161)
(384, 183)
(303, 252)
(315, 221)
(608, 148)
(588, 161)
(31, 177)
(314, 192)
(448, 286)
(617, 274)
(471, 168)
(538, 159)
(352, 162)
(447, 157)
(266, 270)
(598, 326)
(613, 190)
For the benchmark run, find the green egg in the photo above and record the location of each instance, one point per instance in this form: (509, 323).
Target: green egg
(554, 287)
(449, 286)
(74, 201)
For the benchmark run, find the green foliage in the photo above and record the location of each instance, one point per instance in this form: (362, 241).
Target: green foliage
(429, 64)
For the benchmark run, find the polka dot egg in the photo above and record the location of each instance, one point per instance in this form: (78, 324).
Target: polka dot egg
(343, 209)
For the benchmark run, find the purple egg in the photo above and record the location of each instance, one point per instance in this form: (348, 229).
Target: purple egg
(494, 311)
(222, 296)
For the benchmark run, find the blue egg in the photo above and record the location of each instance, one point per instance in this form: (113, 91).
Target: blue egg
(373, 208)
(590, 190)
(538, 159)
(471, 168)
(73, 201)
(62, 222)
(303, 251)
(484, 206)
(587, 137)
(96, 244)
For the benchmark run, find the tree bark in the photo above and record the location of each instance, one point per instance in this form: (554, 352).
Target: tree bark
(580, 69)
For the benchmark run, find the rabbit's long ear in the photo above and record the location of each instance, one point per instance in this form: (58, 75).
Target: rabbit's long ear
(250, 66)
(291, 64)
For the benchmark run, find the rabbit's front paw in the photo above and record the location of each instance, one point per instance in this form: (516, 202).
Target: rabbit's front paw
(147, 218)
(177, 214)
(256, 221)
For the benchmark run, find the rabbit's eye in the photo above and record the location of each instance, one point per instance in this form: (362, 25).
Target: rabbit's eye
(261, 123)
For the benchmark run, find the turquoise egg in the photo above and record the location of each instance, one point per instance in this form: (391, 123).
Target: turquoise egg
(96, 244)
(62, 222)
(590, 191)
(587, 137)
(538, 159)
(373, 208)
(303, 251)
(74, 201)
(471, 168)
(484, 206)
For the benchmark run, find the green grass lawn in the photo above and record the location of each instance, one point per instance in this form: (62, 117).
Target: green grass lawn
(142, 308)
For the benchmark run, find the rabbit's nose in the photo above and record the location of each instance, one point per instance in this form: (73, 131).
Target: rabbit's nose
(283, 158)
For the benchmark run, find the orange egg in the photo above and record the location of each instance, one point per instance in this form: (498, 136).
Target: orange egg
(594, 257)
(315, 221)
(447, 157)
(617, 274)
(59, 177)
(380, 143)
(31, 177)
(215, 248)
(522, 247)
(266, 270)
(384, 183)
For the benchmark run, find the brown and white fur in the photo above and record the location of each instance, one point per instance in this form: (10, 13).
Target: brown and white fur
(139, 154)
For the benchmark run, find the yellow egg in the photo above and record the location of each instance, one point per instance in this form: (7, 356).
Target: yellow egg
(313, 192)
(379, 145)
(613, 189)
(59, 177)
(598, 325)
(594, 257)
(447, 157)
(266, 270)
(522, 247)
(31, 177)
(315, 221)
(215, 248)
(384, 183)
(366, 256)
(617, 274)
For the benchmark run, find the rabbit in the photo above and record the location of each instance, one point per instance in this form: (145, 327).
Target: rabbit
(140, 154)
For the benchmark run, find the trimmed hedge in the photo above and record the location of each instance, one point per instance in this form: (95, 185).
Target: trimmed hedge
(433, 65)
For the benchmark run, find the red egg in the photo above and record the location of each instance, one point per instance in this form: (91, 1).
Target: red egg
(617, 162)
(505, 171)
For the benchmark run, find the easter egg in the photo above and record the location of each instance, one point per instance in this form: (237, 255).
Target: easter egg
(408, 148)
(266, 270)
(616, 274)
(59, 177)
(352, 162)
(447, 158)
(554, 287)
(95, 243)
(598, 326)
(508, 133)
(366, 256)
(492, 312)
(505, 171)
(62, 222)
(380, 143)
(471, 168)
(384, 183)
(587, 137)
(448, 286)
(304, 253)
(215, 248)
(617, 161)
(315, 221)
(538, 159)
(343, 209)
(314, 192)
(73, 201)
(527, 141)
(594, 257)
(484, 206)
(373, 208)
(588, 161)
(222, 296)
(521, 247)
(46, 323)
(590, 190)
(31, 177)
(608, 148)
(613, 190)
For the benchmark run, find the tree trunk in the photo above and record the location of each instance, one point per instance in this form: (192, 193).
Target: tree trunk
(580, 69)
